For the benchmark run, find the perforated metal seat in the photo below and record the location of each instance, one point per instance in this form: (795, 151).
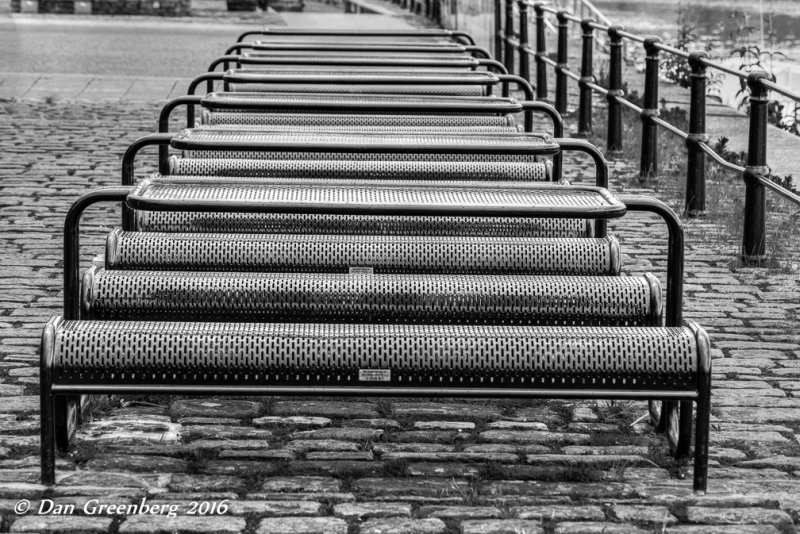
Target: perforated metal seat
(216, 222)
(304, 355)
(364, 110)
(357, 89)
(382, 253)
(312, 122)
(261, 223)
(366, 298)
(266, 144)
(274, 62)
(451, 82)
(338, 166)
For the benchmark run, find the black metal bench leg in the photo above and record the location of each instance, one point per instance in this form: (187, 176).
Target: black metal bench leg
(701, 439)
(670, 414)
(685, 430)
(47, 406)
(65, 412)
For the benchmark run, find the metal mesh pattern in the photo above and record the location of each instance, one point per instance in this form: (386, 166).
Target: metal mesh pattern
(314, 166)
(289, 223)
(461, 60)
(410, 61)
(123, 352)
(230, 100)
(249, 161)
(544, 196)
(340, 253)
(198, 138)
(309, 73)
(420, 299)
(434, 89)
(361, 121)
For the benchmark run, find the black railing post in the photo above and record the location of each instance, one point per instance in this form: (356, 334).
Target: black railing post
(648, 165)
(541, 53)
(508, 53)
(614, 138)
(498, 30)
(562, 64)
(696, 164)
(524, 58)
(587, 58)
(755, 207)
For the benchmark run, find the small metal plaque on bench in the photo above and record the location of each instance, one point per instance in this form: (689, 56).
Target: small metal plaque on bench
(375, 375)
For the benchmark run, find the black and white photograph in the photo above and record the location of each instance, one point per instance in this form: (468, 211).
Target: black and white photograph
(400, 266)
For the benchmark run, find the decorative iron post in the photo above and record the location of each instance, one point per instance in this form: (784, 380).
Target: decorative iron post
(585, 101)
(562, 64)
(498, 30)
(696, 164)
(541, 53)
(649, 159)
(614, 137)
(755, 207)
(524, 58)
(508, 54)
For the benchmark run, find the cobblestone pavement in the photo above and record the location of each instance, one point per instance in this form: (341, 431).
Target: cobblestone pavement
(307, 465)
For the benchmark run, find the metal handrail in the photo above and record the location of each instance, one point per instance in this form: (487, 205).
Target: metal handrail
(756, 173)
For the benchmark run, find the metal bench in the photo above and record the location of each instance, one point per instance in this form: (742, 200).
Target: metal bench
(271, 154)
(317, 34)
(359, 48)
(85, 356)
(419, 82)
(365, 296)
(360, 111)
(278, 61)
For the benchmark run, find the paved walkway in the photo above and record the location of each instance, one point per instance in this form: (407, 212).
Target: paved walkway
(310, 465)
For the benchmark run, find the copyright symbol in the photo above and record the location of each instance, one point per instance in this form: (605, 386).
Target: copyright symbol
(22, 507)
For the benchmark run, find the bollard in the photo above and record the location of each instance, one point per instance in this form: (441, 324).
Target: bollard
(585, 100)
(562, 62)
(498, 30)
(614, 137)
(541, 53)
(524, 58)
(755, 208)
(649, 159)
(508, 53)
(696, 163)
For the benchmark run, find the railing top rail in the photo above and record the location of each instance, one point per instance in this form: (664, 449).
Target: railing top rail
(780, 90)
(598, 26)
(728, 70)
(573, 18)
(672, 50)
(782, 191)
(631, 36)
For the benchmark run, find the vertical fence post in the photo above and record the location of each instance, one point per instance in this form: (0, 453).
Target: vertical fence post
(648, 165)
(498, 30)
(614, 138)
(696, 163)
(562, 62)
(541, 53)
(587, 58)
(755, 207)
(508, 54)
(524, 57)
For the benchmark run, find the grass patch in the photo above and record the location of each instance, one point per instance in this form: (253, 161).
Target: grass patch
(725, 190)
